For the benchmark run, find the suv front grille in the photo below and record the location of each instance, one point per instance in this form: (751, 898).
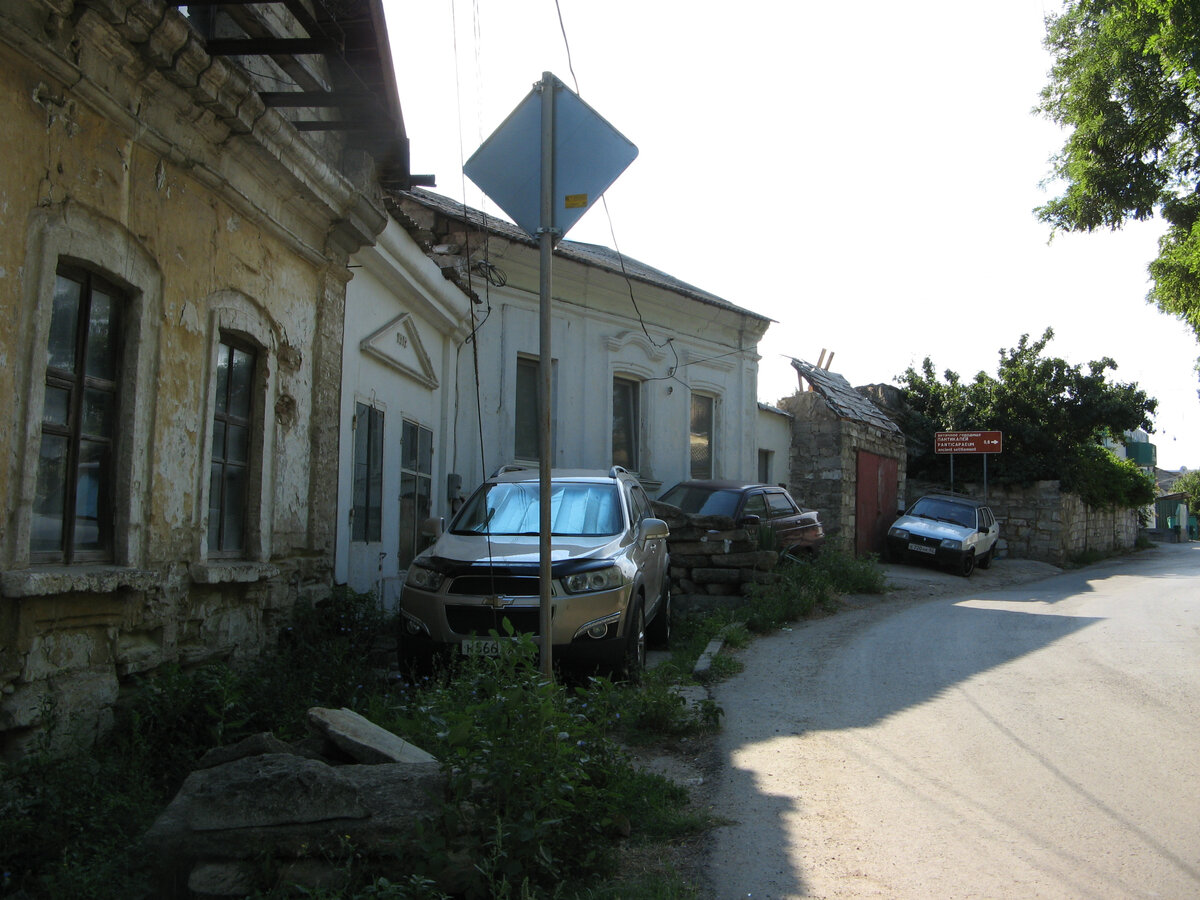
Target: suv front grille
(482, 619)
(488, 585)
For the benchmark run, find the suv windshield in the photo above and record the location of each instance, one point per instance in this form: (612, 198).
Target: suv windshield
(577, 509)
(944, 511)
(701, 501)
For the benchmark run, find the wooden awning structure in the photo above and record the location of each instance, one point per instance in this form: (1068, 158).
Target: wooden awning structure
(333, 64)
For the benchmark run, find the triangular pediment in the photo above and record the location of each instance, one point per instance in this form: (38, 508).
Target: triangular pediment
(398, 344)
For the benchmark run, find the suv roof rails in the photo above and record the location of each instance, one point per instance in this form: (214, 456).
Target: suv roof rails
(617, 470)
(503, 470)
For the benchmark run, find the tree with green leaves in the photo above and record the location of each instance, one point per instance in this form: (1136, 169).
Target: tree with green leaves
(1054, 417)
(1126, 84)
(1189, 483)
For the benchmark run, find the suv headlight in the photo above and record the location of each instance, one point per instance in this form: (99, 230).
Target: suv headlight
(949, 544)
(423, 578)
(596, 580)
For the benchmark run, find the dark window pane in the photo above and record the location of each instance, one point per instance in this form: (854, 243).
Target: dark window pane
(214, 506)
(368, 474)
(232, 448)
(222, 398)
(234, 514)
(425, 452)
(91, 496)
(64, 321)
(701, 437)
(73, 505)
(98, 413)
(49, 502)
(756, 505)
(408, 519)
(625, 423)
(58, 406)
(375, 478)
(237, 444)
(526, 442)
(416, 490)
(781, 505)
(241, 384)
(408, 445)
(101, 355)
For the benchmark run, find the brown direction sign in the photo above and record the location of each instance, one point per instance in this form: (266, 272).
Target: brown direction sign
(968, 442)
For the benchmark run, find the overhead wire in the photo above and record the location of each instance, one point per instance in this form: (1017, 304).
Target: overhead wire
(668, 342)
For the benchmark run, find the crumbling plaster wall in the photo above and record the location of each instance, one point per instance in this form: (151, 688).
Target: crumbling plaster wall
(208, 226)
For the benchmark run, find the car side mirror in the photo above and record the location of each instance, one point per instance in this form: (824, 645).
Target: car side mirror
(433, 527)
(653, 529)
(749, 521)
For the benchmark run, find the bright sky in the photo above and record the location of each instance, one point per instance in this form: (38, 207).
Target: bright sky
(864, 174)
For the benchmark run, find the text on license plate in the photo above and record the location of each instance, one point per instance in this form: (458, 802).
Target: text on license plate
(480, 647)
(922, 548)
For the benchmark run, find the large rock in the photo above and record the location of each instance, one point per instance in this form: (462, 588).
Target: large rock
(284, 807)
(363, 740)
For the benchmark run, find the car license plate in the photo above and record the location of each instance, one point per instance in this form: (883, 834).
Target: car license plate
(480, 647)
(922, 548)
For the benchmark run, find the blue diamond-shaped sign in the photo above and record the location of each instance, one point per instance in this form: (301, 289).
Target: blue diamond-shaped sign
(589, 155)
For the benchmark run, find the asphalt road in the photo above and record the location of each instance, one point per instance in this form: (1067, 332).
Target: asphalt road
(1010, 738)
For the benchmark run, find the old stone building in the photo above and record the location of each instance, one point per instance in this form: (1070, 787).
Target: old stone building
(848, 458)
(173, 271)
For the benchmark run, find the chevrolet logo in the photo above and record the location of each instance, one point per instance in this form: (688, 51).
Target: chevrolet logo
(498, 601)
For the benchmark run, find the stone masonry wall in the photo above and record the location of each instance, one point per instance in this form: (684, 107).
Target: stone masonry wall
(824, 463)
(713, 563)
(1040, 522)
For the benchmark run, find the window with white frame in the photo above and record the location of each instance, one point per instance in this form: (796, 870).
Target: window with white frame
(234, 436)
(416, 488)
(73, 506)
(626, 441)
(367, 513)
(700, 443)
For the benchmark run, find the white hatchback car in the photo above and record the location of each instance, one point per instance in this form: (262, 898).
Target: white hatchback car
(949, 529)
(610, 584)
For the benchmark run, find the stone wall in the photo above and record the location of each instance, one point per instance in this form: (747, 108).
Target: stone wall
(1040, 522)
(824, 462)
(714, 564)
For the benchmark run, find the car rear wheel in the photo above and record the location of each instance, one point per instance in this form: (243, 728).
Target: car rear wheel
(658, 632)
(968, 564)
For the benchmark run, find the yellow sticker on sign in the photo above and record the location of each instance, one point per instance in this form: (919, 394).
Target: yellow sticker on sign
(576, 201)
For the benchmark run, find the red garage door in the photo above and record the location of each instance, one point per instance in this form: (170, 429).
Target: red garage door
(874, 501)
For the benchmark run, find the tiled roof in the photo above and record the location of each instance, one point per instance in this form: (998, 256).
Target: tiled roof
(585, 254)
(842, 398)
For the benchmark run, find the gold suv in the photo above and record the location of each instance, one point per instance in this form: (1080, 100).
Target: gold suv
(610, 588)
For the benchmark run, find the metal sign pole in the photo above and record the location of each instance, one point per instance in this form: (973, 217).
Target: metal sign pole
(546, 252)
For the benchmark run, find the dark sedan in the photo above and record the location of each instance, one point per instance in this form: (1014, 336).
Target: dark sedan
(797, 531)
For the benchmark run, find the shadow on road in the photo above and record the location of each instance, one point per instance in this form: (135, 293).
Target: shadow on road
(837, 673)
